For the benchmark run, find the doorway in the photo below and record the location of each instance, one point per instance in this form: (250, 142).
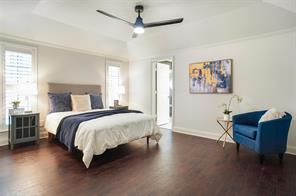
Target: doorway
(163, 92)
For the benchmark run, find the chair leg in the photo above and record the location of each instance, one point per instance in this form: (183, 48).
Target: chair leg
(281, 156)
(237, 147)
(261, 156)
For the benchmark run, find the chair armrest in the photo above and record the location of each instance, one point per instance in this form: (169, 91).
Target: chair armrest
(250, 118)
(272, 135)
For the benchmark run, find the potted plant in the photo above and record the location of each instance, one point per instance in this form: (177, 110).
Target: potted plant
(227, 110)
(15, 104)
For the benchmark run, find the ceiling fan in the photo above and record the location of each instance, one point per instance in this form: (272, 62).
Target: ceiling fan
(139, 26)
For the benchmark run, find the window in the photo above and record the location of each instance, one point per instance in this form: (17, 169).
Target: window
(19, 79)
(113, 83)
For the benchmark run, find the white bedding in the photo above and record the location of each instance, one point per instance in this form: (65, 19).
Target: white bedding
(93, 137)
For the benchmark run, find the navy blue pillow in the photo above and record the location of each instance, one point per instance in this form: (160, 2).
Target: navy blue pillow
(59, 102)
(96, 101)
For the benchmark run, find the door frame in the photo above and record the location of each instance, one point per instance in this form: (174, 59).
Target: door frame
(153, 86)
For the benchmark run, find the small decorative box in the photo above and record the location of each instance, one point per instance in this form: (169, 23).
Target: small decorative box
(16, 111)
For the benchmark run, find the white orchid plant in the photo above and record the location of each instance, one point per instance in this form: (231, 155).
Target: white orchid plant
(226, 106)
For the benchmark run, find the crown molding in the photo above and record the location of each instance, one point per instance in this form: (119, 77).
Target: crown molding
(238, 40)
(173, 52)
(35, 43)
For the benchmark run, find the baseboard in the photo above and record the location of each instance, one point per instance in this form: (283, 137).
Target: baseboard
(215, 136)
(193, 132)
(291, 150)
(204, 134)
(3, 138)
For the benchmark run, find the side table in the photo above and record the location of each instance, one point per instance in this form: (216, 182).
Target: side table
(226, 126)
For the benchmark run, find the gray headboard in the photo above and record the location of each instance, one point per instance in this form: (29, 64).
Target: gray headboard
(76, 89)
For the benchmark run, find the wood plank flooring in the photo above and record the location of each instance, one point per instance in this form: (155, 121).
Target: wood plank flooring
(178, 165)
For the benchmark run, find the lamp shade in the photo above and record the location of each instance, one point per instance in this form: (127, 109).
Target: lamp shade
(27, 89)
(121, 90)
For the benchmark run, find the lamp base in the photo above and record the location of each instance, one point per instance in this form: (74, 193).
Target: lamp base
(116, 102)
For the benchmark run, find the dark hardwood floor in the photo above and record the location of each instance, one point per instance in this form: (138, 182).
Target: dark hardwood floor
(179, 165)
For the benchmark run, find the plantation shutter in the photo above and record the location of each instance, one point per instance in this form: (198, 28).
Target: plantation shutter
(17, 70)
(113, 83)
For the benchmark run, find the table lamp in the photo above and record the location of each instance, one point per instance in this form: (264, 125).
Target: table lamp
(121, 91)
(27, 90)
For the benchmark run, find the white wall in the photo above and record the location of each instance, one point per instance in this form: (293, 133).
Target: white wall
(61, 66)
(140, 85)
(264, 73)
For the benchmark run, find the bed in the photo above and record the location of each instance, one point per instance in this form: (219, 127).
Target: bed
(98, 132)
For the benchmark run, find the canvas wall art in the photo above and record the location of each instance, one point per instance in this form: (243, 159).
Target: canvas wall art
(211, 77)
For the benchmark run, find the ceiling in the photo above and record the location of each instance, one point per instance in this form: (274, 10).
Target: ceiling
(76, 24)
(249, 21)
(82, 14)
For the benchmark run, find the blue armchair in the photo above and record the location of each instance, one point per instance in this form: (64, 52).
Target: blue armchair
(269, 137)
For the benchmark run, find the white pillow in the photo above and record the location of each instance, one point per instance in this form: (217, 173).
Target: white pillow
(272, 114)
(80, 103)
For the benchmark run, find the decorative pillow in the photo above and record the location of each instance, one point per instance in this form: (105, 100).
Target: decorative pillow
(59, 102)
(96, 101)
(271, 114)
(80, 103)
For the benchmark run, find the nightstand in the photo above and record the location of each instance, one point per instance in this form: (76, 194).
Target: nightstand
(23, 128)
(119, 107)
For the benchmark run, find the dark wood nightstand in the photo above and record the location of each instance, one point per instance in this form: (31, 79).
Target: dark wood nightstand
(23, 128)
(119, 107)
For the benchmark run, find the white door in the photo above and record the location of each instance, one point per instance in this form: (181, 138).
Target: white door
(163, 93)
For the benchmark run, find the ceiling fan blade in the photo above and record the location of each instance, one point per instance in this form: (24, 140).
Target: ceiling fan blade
(115, 17)
(134, 35)
(162, 23)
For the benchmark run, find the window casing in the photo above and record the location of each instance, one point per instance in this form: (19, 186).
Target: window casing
(18, 77)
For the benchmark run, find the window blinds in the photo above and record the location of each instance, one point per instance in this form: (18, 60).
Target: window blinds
(114, 81)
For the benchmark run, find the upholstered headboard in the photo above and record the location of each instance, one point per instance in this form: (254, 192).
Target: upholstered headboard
(76, 89)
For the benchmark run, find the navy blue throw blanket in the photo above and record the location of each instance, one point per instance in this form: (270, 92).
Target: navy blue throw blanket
(68, 126)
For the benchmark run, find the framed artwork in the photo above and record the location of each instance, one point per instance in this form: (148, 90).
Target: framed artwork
(211, 77)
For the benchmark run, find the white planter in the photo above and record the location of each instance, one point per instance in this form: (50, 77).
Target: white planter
(226, 117)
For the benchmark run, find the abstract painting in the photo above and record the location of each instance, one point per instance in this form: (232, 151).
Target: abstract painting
(211, 77)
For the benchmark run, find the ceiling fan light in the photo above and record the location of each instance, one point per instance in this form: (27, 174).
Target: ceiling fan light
(139, 30)
(139, 26)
